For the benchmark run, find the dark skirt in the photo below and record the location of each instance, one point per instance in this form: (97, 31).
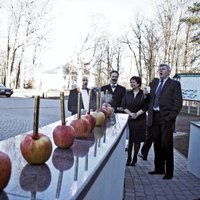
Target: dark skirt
(137, 130)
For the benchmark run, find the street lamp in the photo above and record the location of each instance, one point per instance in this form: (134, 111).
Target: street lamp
(176, 77)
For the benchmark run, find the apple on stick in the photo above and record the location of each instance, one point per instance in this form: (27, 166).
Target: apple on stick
(80, 148)
(88, 116)
(63, 160)
(81, 125)
(35, 178)
(103, 109)
(36, 148)
(5, 170)
(63, 134)
(107, 106)
(100, 117)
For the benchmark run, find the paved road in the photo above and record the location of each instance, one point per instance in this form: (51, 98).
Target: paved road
(16, 114)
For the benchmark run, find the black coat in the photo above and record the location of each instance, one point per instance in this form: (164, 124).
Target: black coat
(170, 102)
(117, 95)
(73, 101)
(137, 127)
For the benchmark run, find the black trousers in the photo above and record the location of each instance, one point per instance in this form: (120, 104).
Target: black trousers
(163, 144)
(147, 143)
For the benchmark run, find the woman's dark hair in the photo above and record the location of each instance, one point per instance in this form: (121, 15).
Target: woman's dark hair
(137, 79)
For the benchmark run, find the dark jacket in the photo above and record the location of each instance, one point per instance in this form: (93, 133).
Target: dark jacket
(170, 102)
(134, 104)
(117, 95)
(73, 101)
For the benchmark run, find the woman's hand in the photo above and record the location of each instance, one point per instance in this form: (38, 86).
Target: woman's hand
(133, 115)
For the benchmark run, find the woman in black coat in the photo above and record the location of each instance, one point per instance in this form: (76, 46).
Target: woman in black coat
(135, 104)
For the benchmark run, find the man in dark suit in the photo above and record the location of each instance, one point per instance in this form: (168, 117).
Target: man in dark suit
(115, 90)
(73, 97)
(165, 104)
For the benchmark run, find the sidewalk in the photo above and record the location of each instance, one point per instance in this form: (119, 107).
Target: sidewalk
(139, 185)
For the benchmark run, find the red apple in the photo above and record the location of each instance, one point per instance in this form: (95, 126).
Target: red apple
(109, 110)
(104, 111)
(64, 135)
(82, 127)
(80, 148)
(63, 159)
(35, 178)
(100, 117)
(36, 148)
(5, 170)
(91, 139)
(91, 119)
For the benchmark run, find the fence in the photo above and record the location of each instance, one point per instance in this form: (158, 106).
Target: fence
(191, 107)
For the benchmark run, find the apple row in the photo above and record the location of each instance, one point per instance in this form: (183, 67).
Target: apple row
(36, 148)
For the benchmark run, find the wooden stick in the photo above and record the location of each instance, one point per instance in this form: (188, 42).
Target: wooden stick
(36, 114)
(62, 107)
(79, 106)
(89, 101)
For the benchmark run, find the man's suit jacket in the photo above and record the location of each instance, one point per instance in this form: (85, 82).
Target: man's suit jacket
(170, 102)
(73, 101)
(117, 95)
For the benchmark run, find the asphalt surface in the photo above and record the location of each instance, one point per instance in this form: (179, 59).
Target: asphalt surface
(16, 114)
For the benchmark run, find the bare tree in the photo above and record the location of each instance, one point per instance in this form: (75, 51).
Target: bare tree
(192, 40)
(150, 50)
(134, 39)
(26, 25)
(175, 38)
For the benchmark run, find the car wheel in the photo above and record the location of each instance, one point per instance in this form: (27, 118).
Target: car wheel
(8, 95)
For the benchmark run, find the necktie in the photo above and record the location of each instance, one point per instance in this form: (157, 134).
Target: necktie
(157, 95)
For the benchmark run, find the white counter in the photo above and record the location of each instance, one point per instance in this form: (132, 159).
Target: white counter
(194, 149)
(92, 168)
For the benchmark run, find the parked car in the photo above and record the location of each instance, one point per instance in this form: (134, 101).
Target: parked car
(5, 91)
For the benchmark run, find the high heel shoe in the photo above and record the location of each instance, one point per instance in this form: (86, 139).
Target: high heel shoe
(134, 161)
(128, 162)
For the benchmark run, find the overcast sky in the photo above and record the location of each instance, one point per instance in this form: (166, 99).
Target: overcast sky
(73, 21)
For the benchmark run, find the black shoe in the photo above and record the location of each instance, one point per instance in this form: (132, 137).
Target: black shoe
(167, 177)
(143, 157)
(156, 172)
(132, 163)
(128, 162)
(134, 159)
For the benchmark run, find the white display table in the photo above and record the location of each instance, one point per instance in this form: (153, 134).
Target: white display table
(92, 168)
(194, 149)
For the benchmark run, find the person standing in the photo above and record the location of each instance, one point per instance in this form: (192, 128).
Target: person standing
(135, 105)
(115, 90)
(73, 97)
(165, 104)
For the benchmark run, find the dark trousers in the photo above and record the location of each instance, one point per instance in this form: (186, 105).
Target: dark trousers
(163, 144)
(147, 143)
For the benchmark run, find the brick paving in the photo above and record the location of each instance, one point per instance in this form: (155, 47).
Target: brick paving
(139, 185)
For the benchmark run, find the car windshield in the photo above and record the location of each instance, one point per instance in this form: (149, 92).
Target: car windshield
(1, 85)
